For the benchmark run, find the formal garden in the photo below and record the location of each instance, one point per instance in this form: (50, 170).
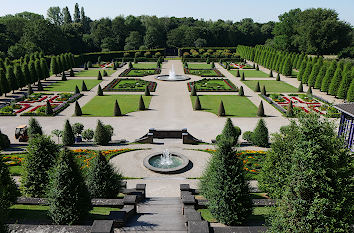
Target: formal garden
(130, 84)
(93, 72)
(270, 85)
(69, 85)
(212, 85)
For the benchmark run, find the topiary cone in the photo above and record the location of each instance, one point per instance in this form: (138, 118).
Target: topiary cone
(39, 86)
(243, 76)
(257, 67)
(83, 86)
(48, 109)
(257, 88)
(260, 112)
(238, 73)
(78, 111)
(240, 92)
(264, 92)
(63, 77)
(278, 77)
(141, 104)
(105, 73)
(193, 91)
(99, 75)
(117, 111)
(147, 91)
(290, 110)
(271, 73)
(300, 88)
(99, 91)
(85, 66)
(77, 91)
(72, 73)
(221, 111)
(197, 105)
(309, 91)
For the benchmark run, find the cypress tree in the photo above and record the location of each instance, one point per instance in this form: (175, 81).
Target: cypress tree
(243, 76)
(230, 132)
(34, 128)
(60, 66)
(221, 111)
(307, 72)
(328, 77)
(68, 134)
(72, 73)
(257, 88)
(212, 65)
(238, 73)
(99, 76)
(41, 157)
(287, 67)
(63, 77)
(193, 91)
(260, 112)
(147, 91)
(313, 75)
(141, 104)
(350, 94)
(20, 79)
(335, 82)
(241, 92)
(344, 86)
(44, 69)
(48, 109)
(299, 61)
(39, 86)
(290, 110)
(37, 66)
(105, 73)
(229, 200)
(85, 66)
(54, 66)
(26, 74)
(271, 73)
(117, 111)
(302, 69)
(300, 88)
(10, 76)
(78, 111)
(197, 105)
(99, 90)
(83, 86)
(260, 136)
(278, 77)
(68, 196)
(77, 91)
(309, 91)
(264, 92)
(320, 76)
(102, 180)
(4, 85)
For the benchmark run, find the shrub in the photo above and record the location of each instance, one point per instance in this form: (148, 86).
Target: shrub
(247, 136)
(78, 111)
(147, 91)
(68, 134)
(83, 86)
(48, 109)
(102, 136)
(238, 74)
(257, 88)
(77, 91)
(141, 106)
(260, 112)
(72, 73)
(241, 92)
(117, 111)
(197, 105)
(105, 73)
(309, 91)
(243, 76)
(77, 128)
(350, 94)
(41, 157)
(63, 76)
(4, 141)
(300, 88)
(224, 185)
(221, 111)
(271, 73)
(85, 66)
(29, 90)
(89, 64)
(257, 67)
(39, 86)
(68, 197)
(230, 132)
(212, 65)
(99, 75)
(102, 180)
(260, 135)
(130, 65)
(193, 91)
(88, 134)
(264, 91)
(34, 128)
(99, 90)
(278, 77)
(290, 110)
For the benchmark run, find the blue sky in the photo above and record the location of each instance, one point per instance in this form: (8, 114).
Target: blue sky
(259, 10)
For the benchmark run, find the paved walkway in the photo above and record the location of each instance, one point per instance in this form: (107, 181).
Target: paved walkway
(157, 214)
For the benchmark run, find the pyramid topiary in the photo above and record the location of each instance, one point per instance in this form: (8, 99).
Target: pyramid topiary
(260, 136)
(39, 86)
(117, 111)
(197, 105)
(72, 73)
(240, 92)
(264, 91)
(193, 91)
(278, 77)
(78, 111)
(271, 73)
(221, 111)
(48, 109)
(99, 75)
(238, 73)
(290, 110)
(34, 128)
(309, 91)
(105, 73)
(147, 91)
(83, 86)
(68, 134)
(99, 91)
(63, 76)
(77, 91)
(300, 88)
(257, 88)
(260, 112)
(243, 76)
(141, 104)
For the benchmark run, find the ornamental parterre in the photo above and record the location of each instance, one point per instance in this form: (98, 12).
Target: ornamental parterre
(213, 85)
(132, 85)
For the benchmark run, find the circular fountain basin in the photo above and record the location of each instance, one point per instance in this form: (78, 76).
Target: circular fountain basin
(174, 78)
(179, 162)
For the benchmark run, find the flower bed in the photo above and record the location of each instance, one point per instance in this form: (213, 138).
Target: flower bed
(213, 85)
(204, 72)
(135, 85)
(132, 72)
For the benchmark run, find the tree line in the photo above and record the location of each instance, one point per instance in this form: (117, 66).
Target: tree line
(330, 76)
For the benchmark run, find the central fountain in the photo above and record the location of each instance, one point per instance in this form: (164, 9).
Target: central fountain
(172, 76)
(166, 162)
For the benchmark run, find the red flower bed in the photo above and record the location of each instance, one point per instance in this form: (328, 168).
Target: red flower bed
(25, 106)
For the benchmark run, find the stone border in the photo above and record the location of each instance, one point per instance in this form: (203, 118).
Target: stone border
(185, 162)
(165, 78)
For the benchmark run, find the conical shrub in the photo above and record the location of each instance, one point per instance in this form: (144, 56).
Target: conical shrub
(99, 75)
(99, 91)
(193, 91)
(257, 88)
(83, 86)
(309, 91)
(141, 104)
(260, 136)
(72, 73)
(68, 134)
(221, 111)
(264, 91)
(77, 91)
(271, 73)
(78, 111)
(350, 94)
(39, 86)
(278, 77)
(290, 110)
(243, 76)
(197, 105)
(85, 66)
(300, 88)
(105, 73)
(240, 91)
(63, 77)
(48, 109)
(29, 90)
(117, 111)
(260, 112)
(147, 91)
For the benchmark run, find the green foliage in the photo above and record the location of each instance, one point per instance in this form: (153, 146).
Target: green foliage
(307, 72)
(313, 75)
(130, 65)
(271, 73)
(89, 64)
(197, 105)
(311, 179)
(101, 179)
(320, 76)
(83, 87)
(328, 77)
(117, 111)
(194, 90)
(88, 134)
(309, 91)
(302, 69)
(78, 111)
(230, 132)
(212, 65)
(85, 66)
(77, 128)
(99, 75)
(238, 73)
(72, 73)
(300, 88)
(247, 136)
(241, 92)
(260, 111)
(105, 73)
(147, 91)
(102, 135)
(39, 86)
(260, 136)
(290, 110)
(34, 128)
(278, 77)
(257, 67)
(68, 197)
(264, 91)
(243, 75)
(141, 106)
(345, 83)
(29, 90)
(4, 85)
(63, 77)
(221, 111)
(224, 185)
(54, 66)
(335, 82)
(99, 90)
(48, 109)
(350, 94)
(10, 76)
(4, 141)
(257, 88)
(68, 134)
(41, 157)
(287, 67)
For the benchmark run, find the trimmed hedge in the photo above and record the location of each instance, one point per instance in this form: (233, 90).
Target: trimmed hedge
(115, 82)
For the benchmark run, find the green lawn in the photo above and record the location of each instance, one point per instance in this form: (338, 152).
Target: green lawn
(199, 66)
(132, 84)
(145, 65)
(93, 72)
(251, 73)
(271, 85)
(213, 84)
(38, 213)
(139, 73)
(294, 73)
(235, 106)
(69, 85)
(103, 106)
